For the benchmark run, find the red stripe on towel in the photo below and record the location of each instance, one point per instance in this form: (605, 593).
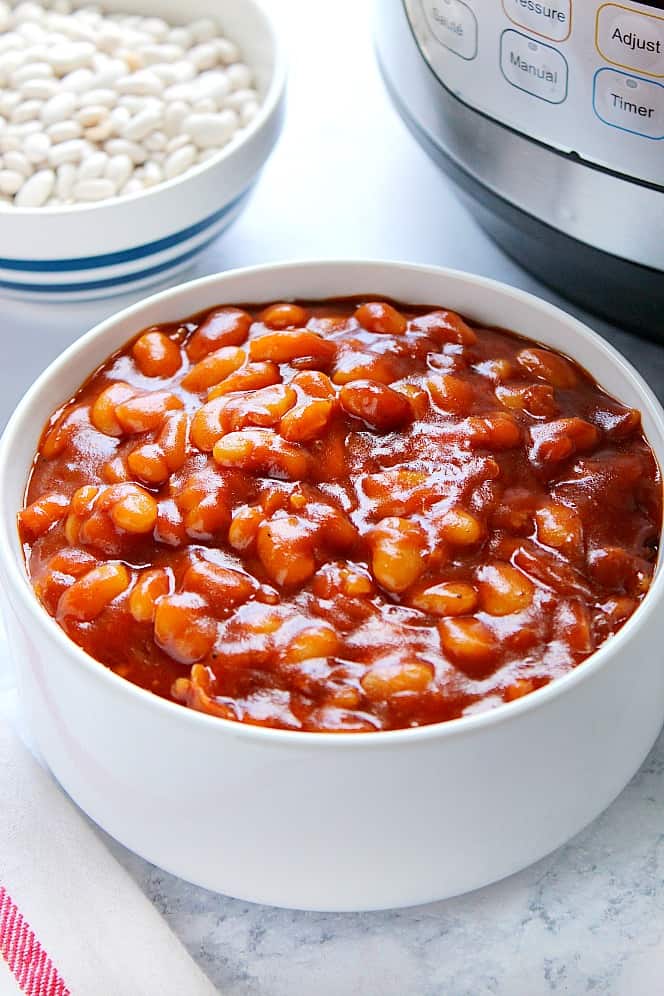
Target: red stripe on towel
(35, 973)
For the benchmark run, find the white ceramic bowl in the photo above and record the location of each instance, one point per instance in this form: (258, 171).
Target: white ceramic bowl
(333, 821)
(120, 245)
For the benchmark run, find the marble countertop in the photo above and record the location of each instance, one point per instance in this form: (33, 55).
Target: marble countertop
(347, 180)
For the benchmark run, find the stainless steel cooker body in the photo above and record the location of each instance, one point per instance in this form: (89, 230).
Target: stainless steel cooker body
(549, 117)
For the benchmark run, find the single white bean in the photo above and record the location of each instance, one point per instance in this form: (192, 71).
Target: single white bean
(152, 173)
(177, 142)
(36, 147)
(122, 146)
(18, 162)
(93, 190)
(9, 101)
(227, 51)
(142, 83)
(69, 152)
(133, 186)
(103, 96)
(239, 76)
(75, 55)
(39, 89)
(28, 110)
(5, 16)
(205, 106)
(213, 83)
(93, 166)
(119, 117)
(78, 81)
(65, 178)
(248, 112)
(30, 71)
(184, 71)
(174, 114)
(179, 161)
(142, 124)
(59, 108)
(63, 131)
(238, 98)
(112, 70)
(36, 190)
(161, 53)
(155, 142)
(203, 56)
(118, 169)
(208, 130)
(9, 142)
(91, 115)
(100, 132)
(11, 181)
(180, 36)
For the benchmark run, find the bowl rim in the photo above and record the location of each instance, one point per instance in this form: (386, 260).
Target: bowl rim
(267, 109)
(459, 727)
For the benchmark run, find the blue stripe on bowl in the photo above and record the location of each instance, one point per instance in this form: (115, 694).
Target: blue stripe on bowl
(128, 278)
(113, 258)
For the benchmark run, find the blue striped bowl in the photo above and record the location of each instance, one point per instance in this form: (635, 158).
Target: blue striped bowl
(124, 244)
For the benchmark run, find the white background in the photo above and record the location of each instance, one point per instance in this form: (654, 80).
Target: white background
(348, 180)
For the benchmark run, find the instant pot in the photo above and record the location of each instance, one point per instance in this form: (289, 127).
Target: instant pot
(549, 117)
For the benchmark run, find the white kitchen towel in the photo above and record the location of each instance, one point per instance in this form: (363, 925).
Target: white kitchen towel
(72, 921)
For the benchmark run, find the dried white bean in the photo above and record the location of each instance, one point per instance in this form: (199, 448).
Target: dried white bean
(213, 83)
(78, 81)
(142, 124)
(69, 152)
(174, 115)
(203, 56)
(133, 186)
(248, 113)
(93, 167)
(142, 83)
(103, 97)
(18, 162)
(156, 141)
(122, 146)
(30, 71)
(58, 108)
(63, 131)
(94, 190)
(227, 51)
(162, 53)
(238, 98)
(65, 178)
(39, 89)
(101, 131)
(36, 147)
(28, 110)
(11, 181)
(75, 55)
(177, 142)
(36, 190)
(152, 174)
(208, 130)
(179, 161)
(239, 76)
(118, 169)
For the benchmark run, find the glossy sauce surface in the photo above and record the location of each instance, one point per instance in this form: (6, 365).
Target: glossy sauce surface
(347, 516)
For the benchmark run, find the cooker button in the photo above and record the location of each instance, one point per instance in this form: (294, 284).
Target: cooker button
(629, 103)
(454, 25)
(534, 67)
(548, 20)
(631, 39)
